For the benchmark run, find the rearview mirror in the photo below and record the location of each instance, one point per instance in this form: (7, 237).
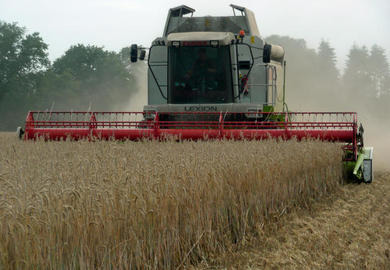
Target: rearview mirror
(134, 53)
(267, 53)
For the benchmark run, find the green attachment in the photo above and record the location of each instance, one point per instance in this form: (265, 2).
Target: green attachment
(363, 166)
(268, 108)
(273, 117)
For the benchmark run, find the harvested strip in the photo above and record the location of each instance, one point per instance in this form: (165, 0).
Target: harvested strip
(349, 231)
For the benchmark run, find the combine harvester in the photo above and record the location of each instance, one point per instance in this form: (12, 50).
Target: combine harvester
(211, 78)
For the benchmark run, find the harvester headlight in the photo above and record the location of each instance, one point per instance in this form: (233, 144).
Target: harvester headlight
(254, 113)
(176, 43)
(214, 43)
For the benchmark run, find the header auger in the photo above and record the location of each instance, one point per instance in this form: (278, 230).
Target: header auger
(211, 78)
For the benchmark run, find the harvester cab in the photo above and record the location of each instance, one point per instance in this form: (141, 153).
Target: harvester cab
(211, 78)
(214, 64)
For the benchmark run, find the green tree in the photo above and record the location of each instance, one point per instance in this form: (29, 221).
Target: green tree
(125, 55)
(379, 72)
(356, 79)
(21, 56)
(327, 74)
(23, 61)
(84, 76)
(327, 61)
(366, 80)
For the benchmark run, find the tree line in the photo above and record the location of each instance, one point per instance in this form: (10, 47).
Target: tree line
(91, 77)
(85, 77)
(314, 81)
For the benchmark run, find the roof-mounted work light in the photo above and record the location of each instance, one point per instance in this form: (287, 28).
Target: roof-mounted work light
(176, 44)
(242, 34)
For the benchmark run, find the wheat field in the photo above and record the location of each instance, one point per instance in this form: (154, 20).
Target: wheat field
(149, 205)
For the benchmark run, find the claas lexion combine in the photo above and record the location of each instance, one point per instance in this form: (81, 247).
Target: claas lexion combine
(211, 78)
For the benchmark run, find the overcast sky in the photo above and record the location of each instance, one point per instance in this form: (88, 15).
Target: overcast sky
(118, 23)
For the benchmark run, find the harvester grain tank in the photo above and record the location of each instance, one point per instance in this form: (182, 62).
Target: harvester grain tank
(211, 78)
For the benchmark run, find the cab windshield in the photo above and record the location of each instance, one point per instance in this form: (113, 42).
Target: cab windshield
(199, 75)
